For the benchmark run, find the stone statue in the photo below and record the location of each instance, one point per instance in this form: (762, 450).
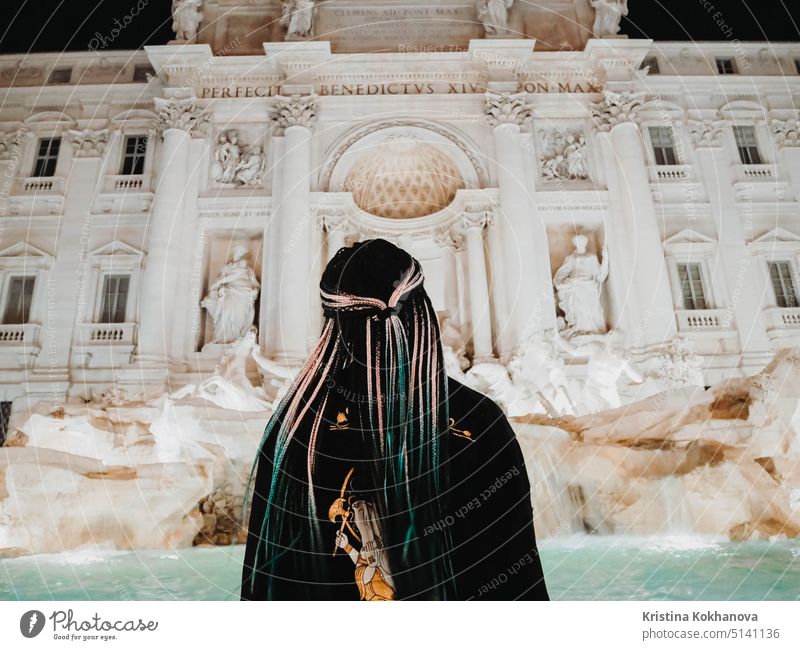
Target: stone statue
(493, 14)
(579, 282)
(226, 157)
(607, 362)
(607, 17)
(230, 299)
(250, 168)
(229, 387)
(574, 154)
(275, 378)
(297, 16)
(564, 157)
(539, 375)
(186, 17)
(493, 380)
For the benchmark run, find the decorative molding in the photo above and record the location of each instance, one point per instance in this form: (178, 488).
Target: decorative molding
(502, 108)
(297, 110)
(183, 114)
(341, 148)
(616, 108)
(706, 133)
(88, 143)
(787, 132)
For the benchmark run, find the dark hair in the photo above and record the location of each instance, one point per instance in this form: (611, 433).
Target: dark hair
(381, 339)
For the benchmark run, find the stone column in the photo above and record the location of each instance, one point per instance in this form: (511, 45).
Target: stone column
(178, 119)
(294, 118)
(787, 136)
(745, 307)
(526, 274)
(471, 225)
(68, 279)
(335, 226)
(648, 307)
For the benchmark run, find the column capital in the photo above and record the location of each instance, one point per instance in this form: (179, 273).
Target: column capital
(786, 132)
(297, 110)
(183, 114)
(468, 221)
(616, 108)
(706, 133)
(334, 221)
(88, 143)
(507, 108)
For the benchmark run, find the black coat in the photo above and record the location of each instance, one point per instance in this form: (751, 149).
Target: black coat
(488, 516)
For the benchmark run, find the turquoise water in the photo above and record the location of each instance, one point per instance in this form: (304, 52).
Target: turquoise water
(576, 568)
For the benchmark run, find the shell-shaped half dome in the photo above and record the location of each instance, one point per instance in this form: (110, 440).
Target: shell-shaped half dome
(403, 178)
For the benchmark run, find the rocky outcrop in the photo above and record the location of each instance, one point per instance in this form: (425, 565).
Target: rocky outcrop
(723, 461)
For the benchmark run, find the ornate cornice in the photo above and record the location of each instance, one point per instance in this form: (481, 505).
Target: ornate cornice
(88, 143)
(616, 108)
(298, 110)
(507, 109)
(706, 133)
(787, 132)
(183, 114)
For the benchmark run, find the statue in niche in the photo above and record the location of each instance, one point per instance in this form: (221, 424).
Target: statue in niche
(564, 157)
(493, 14)
(607, 362)
(226, 157)
(297, 16)
(607, 17)
(250, 168)
(579, 282)
(186, 17)
(230, 300)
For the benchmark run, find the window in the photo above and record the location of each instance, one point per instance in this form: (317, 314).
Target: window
(663, 145)
(726, 66)
(692, 291)
(46, 157)
(5, 416)
(797, 65)
(115, 298)
(747, 145)
(140, 73)
(18, 301)
(60, 76)
(133, 157)
(652, 63)
(780, 273)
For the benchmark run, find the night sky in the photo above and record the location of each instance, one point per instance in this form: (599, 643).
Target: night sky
(57, 25)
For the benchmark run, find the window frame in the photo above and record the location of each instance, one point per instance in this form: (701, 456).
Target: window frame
(656, 149)
(698, 264)
(125, 156)
(745, 152)
(50, 161)
(106, 276)
(114, 258)
(720, 62)
(793, 277)
(6, 296)
(51, 81)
